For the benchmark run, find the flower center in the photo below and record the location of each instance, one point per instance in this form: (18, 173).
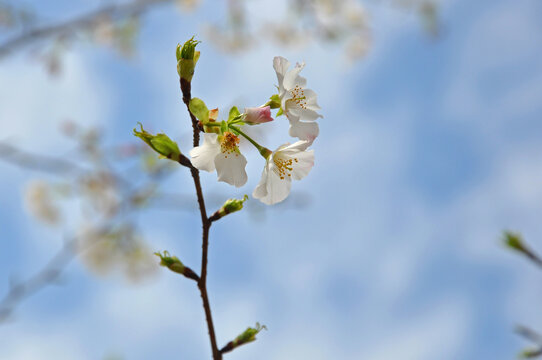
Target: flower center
(298, 96)
(283, 167)
(229, 143)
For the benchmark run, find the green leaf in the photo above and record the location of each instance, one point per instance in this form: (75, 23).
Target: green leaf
(223, 127)
(160, 143)
(234, 112)
(199, 109)
(274, 102)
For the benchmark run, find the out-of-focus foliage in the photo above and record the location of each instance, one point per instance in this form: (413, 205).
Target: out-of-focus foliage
(104, 195)
(14, 15)
(122, 249)
(301, 22)
(94, 196)
(117, 24)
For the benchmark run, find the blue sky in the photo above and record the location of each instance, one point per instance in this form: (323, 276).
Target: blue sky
(428, 150)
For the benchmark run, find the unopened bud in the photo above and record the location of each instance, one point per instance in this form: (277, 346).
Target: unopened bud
(174, 264)
(161, 143)
(530, 353)
(171, 262)
(514, 241)
(187, 57)
(247, 336)
(258, 115)
(231, 206)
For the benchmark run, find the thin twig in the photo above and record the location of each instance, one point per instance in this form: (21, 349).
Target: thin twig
(83, 22)
(206, 225)
(50, 273)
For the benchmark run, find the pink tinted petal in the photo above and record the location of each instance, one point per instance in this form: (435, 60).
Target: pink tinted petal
(258, 115)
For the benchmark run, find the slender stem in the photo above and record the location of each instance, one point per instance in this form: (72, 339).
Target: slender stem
(206, 224)
(262, 149)
(186, 88)
(202, 285)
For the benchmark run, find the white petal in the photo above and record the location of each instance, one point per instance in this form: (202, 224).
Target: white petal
(231, 168)
(303, 165)
(301, 81)
(292, 78)
(281, 66)
(261, 189)
(272, 189)
(303, 113)
(292, 149)
(277, 189)
(304, 130)
(311, 99)
(203, 156)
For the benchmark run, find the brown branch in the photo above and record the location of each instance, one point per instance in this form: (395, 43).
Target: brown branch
(206, 225)
(51, 165)
(83, 22)
(186, 88)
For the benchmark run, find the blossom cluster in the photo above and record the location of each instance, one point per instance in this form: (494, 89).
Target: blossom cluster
(220, 148)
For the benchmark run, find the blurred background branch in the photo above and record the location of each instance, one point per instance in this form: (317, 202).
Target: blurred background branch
(85, 22)
(117, 24)
(534, 337)
(46, 276)
(108, 195)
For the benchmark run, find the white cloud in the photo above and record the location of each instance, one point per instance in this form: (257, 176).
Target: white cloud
(438, 333)
(381, 244)
(34, 103)
(42, 343)
(499, 44)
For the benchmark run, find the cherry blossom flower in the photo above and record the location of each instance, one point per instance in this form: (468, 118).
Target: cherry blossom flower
(289, 161)
(221, 152)
(297, 102)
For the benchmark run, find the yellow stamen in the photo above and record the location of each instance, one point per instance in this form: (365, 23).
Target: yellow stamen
(229, 144)
(298, 96)
(283, 167)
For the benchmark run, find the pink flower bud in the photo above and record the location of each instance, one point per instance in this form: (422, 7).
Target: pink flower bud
(258, 115)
